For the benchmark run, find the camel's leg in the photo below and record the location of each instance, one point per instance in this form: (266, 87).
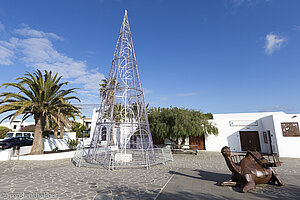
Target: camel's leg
(250, 183)
(276, 178)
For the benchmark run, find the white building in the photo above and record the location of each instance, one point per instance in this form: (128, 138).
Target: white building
(266, 132)
(16, 124)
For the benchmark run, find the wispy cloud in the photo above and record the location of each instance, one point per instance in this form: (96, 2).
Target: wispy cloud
(274, 43)
(297, 28)
(2, 28)
(237, 3)
(277, 108)
(26, 31)
(147, 91)
(162, 98)
(6, 56)
(35, 49)
(187, 94)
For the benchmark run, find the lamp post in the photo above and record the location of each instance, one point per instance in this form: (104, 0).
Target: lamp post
(83, 117)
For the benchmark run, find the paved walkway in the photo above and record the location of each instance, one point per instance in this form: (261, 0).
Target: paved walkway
(201, 179)
(188, 177)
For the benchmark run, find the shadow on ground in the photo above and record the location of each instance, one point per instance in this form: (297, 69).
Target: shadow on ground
(201, 184)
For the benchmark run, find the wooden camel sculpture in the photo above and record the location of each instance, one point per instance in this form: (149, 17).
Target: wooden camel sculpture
(252, 170)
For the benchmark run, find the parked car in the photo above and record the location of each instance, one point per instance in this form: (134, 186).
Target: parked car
(16, 141)
(19, 134)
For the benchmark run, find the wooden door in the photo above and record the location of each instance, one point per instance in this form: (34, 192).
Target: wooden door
(197, 140)
(250, 141)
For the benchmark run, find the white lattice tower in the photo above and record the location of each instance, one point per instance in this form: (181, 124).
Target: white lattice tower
(122, 134)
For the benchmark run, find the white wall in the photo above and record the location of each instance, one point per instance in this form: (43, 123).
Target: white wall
(287, 146)
(6, 154)
(94, 120)
(229, 135)
(268, 125)
(62, 144)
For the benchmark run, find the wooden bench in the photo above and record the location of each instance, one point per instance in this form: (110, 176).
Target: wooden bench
(184, 149)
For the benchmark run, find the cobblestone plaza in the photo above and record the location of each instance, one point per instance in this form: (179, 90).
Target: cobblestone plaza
(188, 177)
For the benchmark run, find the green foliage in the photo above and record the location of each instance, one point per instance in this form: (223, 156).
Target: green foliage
(3, 131)
(86, 134)
(78, 128)
(174, 123)
(39, 95)
(73, 143)
(46, 133)
(55, 149)
(29, 128)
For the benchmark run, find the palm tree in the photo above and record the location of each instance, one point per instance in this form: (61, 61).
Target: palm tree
(107, 89)
(103, 87)
(67, 112)
(39, 95)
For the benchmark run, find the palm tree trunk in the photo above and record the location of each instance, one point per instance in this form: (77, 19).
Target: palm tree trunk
(38, 146)
(56, 132)
(62, 129)
(111, 142)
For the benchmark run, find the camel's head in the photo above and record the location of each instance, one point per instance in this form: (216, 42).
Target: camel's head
(225, 151)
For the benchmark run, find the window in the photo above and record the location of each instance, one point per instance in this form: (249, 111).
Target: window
(265, 137)
(103, 134)
(15, 127)
(26, 134)
(18, 134)
(9, 135)
(290, 129)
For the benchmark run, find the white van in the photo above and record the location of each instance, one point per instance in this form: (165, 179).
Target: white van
(19, 134)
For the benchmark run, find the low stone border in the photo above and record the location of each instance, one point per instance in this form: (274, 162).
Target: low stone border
(49, 156)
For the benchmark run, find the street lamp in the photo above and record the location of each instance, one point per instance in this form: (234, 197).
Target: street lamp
(83, 117)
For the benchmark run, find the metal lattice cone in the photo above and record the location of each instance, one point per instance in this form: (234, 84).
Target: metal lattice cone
(122, 134)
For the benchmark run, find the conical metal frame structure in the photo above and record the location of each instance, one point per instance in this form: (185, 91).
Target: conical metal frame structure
(122, 135)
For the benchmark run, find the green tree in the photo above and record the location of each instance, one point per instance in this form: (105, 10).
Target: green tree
(78, 128)
(38, 95)
(3, 131)
(66, 112)
(174, 123)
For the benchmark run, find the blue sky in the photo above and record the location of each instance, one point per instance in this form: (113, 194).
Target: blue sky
(218, 56)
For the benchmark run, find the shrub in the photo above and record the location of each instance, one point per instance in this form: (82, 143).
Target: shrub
(73, 143)
(55, 149)
(3, 131)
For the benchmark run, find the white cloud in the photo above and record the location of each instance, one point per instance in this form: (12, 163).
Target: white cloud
(90, 80)
(273, 43)
(35, 49)
(6, 56)
(26, 31)
(187, 94)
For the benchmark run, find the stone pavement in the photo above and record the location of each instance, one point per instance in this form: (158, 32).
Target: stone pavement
(200, 178)
(188, 177)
